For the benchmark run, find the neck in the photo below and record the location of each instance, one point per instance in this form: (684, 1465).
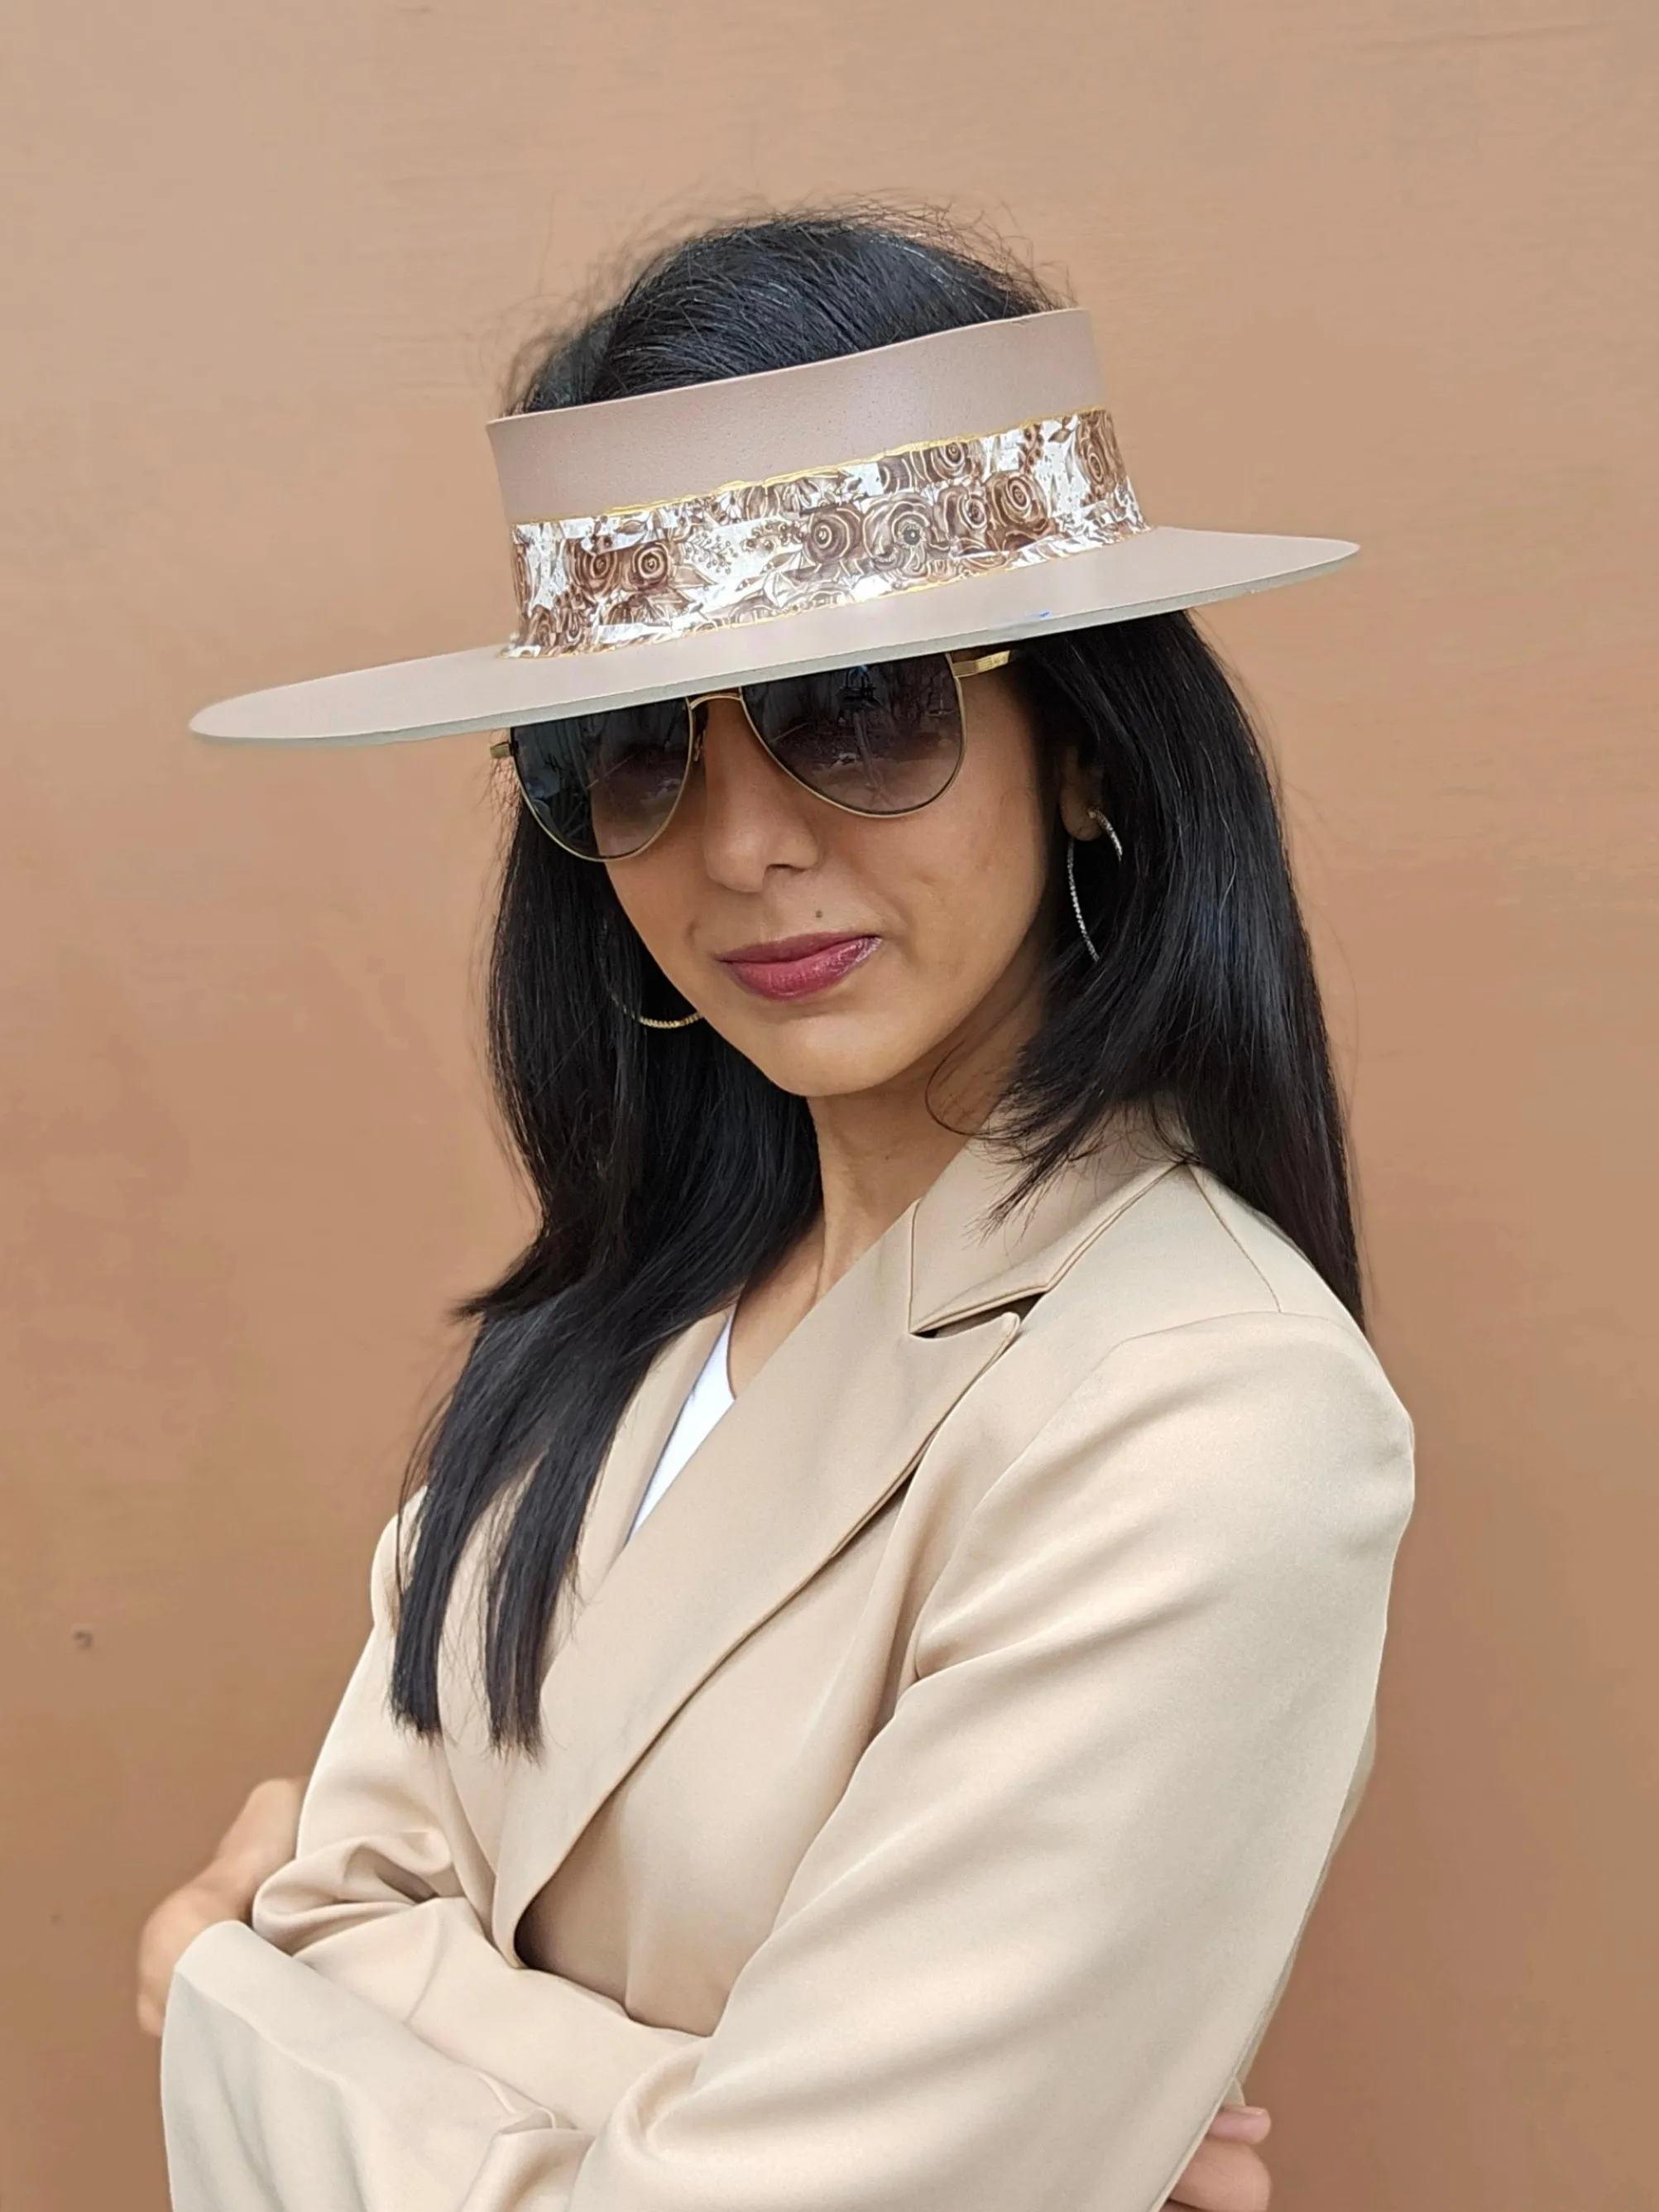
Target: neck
(873, 1163)
(879, 1149)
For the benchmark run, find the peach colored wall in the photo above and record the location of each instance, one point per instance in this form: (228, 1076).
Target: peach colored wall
(1361, 267)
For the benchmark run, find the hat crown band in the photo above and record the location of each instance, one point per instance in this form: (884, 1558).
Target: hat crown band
(929, 513)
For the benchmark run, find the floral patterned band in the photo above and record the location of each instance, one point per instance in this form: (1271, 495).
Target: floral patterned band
(921, 514)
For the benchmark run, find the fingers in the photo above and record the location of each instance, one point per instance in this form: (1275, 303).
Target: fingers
(261, 1838)
(176, 1922)
(265, 1832)
(1226, 2173)
(1246, 2123)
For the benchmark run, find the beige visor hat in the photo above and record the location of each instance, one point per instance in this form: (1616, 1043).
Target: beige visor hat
(948, 492)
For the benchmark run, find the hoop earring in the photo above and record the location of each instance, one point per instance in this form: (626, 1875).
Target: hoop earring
(645, 1021)
(1077, 903)
(1095, 814)
(650, 1021)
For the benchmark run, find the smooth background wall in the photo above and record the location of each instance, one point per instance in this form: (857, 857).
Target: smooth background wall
(1360, 267)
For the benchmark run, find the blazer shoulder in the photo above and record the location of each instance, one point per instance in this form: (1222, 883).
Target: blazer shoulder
(1189, 1392)
(1192, 1358)
(1191, 1264)
(1189, 1249)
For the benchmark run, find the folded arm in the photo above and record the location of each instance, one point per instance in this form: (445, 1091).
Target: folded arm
(379, 1900)
(1021, 1961)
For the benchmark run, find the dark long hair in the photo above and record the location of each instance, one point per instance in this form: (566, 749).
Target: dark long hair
(668, 1170)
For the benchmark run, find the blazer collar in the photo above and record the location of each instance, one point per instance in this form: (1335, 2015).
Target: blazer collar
(808, 1452)
(960, 1265)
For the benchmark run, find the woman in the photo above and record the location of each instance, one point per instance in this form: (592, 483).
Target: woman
(886, 1642)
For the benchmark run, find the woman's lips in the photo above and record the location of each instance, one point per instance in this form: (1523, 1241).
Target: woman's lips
(794, 967)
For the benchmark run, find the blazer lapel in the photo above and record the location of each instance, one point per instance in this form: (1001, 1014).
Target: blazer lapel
(643, 1429)
(815, 1445)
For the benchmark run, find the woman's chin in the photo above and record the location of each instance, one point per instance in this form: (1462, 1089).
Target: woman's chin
(825, 1058)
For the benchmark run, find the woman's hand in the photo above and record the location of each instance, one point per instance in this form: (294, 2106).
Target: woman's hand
(258, 1841)
(1226, 2173)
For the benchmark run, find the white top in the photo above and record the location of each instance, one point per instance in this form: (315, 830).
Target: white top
(709, 1398)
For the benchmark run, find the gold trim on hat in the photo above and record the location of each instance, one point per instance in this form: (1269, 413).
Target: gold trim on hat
(917, 515)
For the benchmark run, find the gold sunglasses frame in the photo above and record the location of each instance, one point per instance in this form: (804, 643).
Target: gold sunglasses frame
(960, 666)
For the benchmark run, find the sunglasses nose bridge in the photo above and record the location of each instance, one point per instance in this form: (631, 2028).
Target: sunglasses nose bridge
(696, 709)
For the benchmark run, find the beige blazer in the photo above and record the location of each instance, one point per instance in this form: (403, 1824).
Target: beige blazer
(935, 1787)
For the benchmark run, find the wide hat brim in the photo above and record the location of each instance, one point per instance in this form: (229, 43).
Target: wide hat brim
(625, 467)
(486, 688)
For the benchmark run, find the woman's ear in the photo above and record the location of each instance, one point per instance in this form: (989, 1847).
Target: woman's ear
(1079, 797)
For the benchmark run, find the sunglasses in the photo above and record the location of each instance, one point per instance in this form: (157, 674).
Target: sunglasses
(884, 738)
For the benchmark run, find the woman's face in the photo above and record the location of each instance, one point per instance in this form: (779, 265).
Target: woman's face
(842, 953)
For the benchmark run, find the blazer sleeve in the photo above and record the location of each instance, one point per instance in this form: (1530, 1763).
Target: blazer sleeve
(368, 1942)
(379, 1899)
(1021, 1961)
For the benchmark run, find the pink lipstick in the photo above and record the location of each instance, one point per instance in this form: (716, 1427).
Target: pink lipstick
(795, 967)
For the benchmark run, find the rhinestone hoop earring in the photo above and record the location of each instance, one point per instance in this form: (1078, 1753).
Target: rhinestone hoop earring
(645, 1021)
(650, 1022)
(1077, 903)
(1095, 814)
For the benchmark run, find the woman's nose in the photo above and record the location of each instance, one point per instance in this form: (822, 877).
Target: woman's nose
(753, 816)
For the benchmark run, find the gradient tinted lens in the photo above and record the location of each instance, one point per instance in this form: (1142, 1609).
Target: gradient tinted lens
(605, 783)
(882, 738)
